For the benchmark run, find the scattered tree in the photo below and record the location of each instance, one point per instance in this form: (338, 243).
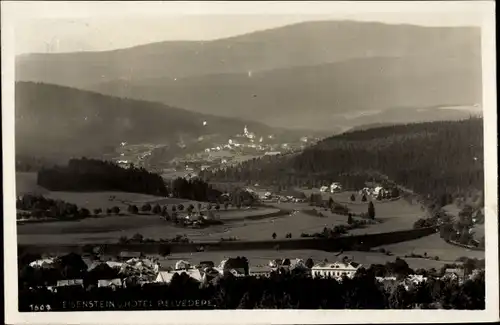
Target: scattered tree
(156, 209)
(84, 213)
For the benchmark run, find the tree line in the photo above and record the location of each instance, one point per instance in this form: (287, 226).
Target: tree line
(441, 159)
(284, 290)
(37, 206)
(194, 189)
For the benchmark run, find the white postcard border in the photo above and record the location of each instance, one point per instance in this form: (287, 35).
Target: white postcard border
(30, 10)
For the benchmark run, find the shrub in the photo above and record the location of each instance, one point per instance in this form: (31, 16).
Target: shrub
(137, 238)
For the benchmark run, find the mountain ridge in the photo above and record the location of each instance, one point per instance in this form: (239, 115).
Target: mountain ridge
(330, 67)
(283, 96)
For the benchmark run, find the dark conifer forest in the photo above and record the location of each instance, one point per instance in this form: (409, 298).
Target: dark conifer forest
(433, 158)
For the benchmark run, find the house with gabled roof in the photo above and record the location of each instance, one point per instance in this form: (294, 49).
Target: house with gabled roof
(335, 270)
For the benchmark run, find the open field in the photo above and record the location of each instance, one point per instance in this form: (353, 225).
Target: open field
(109, 229)
(396, 215)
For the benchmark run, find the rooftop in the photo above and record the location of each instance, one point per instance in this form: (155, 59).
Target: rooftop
(337, 265)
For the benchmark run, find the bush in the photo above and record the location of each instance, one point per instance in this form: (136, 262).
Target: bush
(137, 238)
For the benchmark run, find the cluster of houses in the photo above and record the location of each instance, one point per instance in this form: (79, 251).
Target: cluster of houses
(375, 191)
(335, 187)
(270, 197)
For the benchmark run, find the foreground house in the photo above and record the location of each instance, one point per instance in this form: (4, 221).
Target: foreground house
(263, 271)
(68, 283)
(335, 187)
(228, 265)
(182, 265)
(413, 280)
(166, 276)
(42, 263)
(454, 274)
(335, 270)
(113, 264)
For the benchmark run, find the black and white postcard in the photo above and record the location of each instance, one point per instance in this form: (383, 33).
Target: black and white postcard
(249, 162)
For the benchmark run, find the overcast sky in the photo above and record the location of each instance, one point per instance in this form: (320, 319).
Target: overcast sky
(69, 29)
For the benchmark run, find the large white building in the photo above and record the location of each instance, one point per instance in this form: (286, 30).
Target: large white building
(335, 270)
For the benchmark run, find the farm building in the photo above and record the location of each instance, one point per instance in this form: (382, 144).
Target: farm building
(454, 274)
(166, 276)
(182, 265)
(126, 255)
(70, 283)
(113, 283)
(263, 271)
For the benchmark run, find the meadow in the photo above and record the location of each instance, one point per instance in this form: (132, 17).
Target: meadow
(433, 245)
(394, 215)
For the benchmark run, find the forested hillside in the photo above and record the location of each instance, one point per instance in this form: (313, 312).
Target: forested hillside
(281, 74)
(303, 44)
(94, 175)
(430, 158)
(330, 90)
(65, 122)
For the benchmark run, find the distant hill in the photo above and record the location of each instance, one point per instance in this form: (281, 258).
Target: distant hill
(322, 96)
(434, 158)
(59, 121)
(331, 67)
